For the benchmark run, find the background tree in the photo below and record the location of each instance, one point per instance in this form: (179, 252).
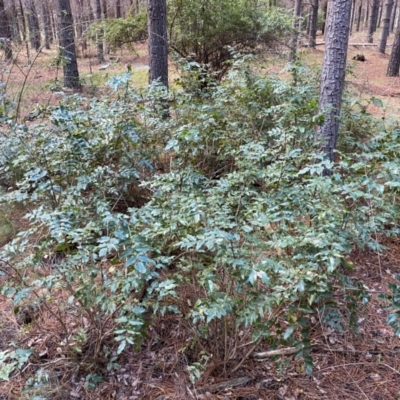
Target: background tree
(313, 23)
(386, 25)
(393, 16)
(296, 28)
(333, 73)
(158, 41)
(373, 19)
(99, 36)
(33, 24)
(48, 35)
(394, 62)
(5, 32)
(67, 45)
(210, 32)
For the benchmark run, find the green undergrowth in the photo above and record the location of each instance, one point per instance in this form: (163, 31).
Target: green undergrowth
(225, 197)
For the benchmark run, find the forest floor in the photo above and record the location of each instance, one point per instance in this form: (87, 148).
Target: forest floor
(348, 365)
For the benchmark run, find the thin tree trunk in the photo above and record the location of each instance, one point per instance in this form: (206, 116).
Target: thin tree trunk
(48, 36)
(353, 13)
(118, 13)
(325, 14)
(393, 16)
(33, 23)
(366, 20)
(158, 41)
(99, 38)
(386, 25)
(359, 17)
(378, 25)
(14, 22)
(67, 45)
(333, 74)
(394, 62)
(5, 32)
(313, 23)
(296, 27)
(24, 30)
(373, 19)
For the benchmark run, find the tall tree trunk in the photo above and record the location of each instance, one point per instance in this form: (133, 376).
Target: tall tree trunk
(14, 22)
(325, 14)
(386, 25)
(33, 23)
(359, 17)
(366, 20)
(333, 73)
(393, 16)
(24, 30)
(394, 62)
(373, 20)
(48, 35)
(313, 23)
(99, 36)
(5, 32)
(158, 41)
(118, 13)
(378, 25)
(67, 45)
(296, 27)
(353, 14)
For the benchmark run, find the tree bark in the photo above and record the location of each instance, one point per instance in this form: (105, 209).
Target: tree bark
(48, 35)
(325, 13)
(394, 62)
(158, 41)
(333, 73)
(359, 17)
(118, 12)
(99, 36)
(386, 25)
(313, 23)
(5, 32)
(353, 15)
(67, 45)
(33, 24)
(296, 27)
(393, 16)
(373, 20)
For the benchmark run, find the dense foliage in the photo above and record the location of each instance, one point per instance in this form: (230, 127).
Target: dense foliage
(219, 215)
(208, 32)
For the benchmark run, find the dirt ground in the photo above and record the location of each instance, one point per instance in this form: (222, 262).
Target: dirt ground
(348, 366)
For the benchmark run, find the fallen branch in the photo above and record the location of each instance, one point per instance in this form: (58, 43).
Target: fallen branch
(280, 352)
(355, 44)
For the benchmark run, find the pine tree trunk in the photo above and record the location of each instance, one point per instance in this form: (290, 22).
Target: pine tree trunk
(359, 17)
(118, 13)
(353, 15)
(48, 35)
(386, 25)
(373, 20)
(33, 24)
(14, 22)
(394, 62)
(393, 16)
(67, 45)
(333, 73)
(296, 27)
(5, 32)
(158, 41)
(325, 13)
(313, 23)
(99, 36)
